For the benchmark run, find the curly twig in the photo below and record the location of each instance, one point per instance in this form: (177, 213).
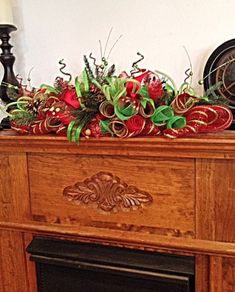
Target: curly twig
(188, 74)
(61, 62)
(94, 60)
(189, 71)
(135, 66)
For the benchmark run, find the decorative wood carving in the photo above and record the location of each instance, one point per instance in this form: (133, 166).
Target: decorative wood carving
(108, 192)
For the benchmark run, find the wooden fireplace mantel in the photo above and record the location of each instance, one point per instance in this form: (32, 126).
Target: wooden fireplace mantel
(157, 194)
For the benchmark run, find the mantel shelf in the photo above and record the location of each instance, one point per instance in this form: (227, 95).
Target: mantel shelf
(212, 145)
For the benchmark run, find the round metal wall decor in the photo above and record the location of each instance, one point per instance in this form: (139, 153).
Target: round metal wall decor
(220, 70)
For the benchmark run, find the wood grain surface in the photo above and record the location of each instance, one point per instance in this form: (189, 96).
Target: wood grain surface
(228, 274)
(191, 181)
(171, 212)
(212, 145)
(202, 273)
(12, 262)
(14, 188)
(215, 210)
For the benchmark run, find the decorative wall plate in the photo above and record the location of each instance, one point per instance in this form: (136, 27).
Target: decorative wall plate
(220, 69)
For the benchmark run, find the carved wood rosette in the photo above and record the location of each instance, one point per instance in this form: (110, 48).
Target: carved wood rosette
(108, 193)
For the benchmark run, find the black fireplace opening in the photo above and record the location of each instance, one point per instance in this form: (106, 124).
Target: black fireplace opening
(69, 266)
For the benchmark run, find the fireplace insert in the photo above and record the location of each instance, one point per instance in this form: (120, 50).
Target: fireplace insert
(68, 266)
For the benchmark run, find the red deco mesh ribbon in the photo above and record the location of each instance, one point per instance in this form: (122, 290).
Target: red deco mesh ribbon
(150, 129)
(21, 129)
(201, 119)
(135, 126)
(182, 103)
(46, 126)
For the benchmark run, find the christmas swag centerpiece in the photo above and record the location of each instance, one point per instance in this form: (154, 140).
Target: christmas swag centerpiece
(100, 103)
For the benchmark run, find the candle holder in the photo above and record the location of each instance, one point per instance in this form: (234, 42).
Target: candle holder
(7, 59)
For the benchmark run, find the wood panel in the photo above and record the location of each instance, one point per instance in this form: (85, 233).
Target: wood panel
(202, 273)
(228, 266)
(215, 199)
(222, 274)
(14, 190)
(216, 275)
(30, 265)
(172, 210)
(12, 262)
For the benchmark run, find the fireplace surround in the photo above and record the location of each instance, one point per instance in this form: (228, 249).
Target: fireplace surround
(71, 266)
(172, 201)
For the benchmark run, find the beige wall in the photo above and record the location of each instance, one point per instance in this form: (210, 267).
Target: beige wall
(49, 30)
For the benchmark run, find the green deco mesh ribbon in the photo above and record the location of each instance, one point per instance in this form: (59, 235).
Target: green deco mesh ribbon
(165, 114)
(176, 122)
(125, 113)
(162, 114)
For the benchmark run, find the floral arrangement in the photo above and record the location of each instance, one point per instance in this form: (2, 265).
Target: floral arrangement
(100, 103)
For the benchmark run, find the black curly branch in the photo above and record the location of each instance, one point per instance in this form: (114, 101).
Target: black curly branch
(135, 66)
(94, 60)
(61, 62)
(188, 74)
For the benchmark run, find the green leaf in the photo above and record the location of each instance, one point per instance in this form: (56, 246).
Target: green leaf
(111, 82)
(151, 101)
(143, 91)
(97, 84)
(78, 87)
(204, 98)
(145, 100)
(169, 89)
(105, 127)
(78, 91)
(106, 92)
(49, 89)
(144, 103)
(85, 81)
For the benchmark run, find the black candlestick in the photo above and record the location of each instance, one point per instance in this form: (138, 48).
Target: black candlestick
(7, 59)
